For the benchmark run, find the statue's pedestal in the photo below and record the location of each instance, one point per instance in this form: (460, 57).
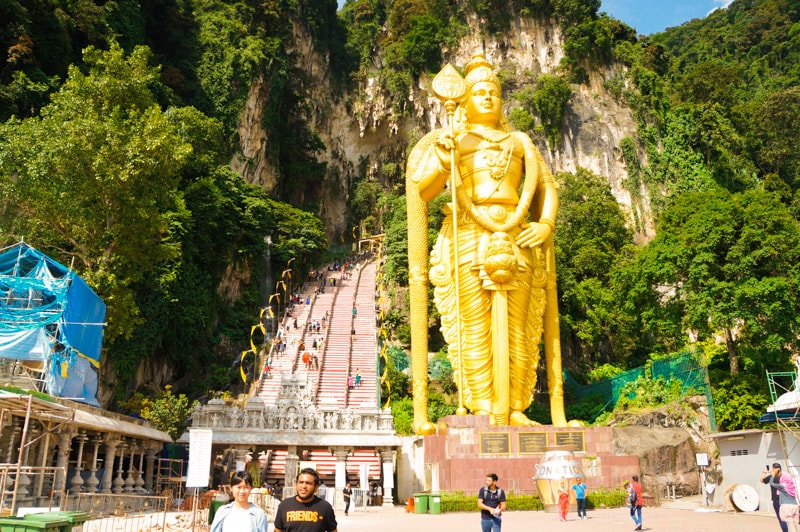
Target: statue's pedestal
(467, 448)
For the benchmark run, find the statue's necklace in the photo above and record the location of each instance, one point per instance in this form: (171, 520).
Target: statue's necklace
(498, 163)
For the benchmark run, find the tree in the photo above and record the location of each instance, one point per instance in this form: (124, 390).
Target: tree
(729, 263)
(93, 176)
(550, 98)
(170, 413)
(590, 237)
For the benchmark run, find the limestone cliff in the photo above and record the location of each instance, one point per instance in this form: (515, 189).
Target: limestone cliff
(364, 126)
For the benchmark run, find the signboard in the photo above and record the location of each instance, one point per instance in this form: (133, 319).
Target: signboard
(532, 442)
(495, 443)
(199, 458)
(702, 459)
(572, 440)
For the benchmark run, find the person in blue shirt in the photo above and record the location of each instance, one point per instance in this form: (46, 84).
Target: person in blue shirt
(240, 515)
(580, 497)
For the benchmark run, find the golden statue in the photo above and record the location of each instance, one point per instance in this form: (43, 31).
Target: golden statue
(500, 302)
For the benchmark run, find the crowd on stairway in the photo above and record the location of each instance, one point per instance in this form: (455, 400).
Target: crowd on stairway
(318, 332)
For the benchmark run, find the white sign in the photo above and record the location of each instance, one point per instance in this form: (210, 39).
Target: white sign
(199, 458)
(702, 459)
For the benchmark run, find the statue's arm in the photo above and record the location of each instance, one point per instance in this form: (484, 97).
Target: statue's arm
(434, 168)
(544, 206)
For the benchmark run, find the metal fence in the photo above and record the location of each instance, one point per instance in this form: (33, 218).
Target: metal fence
(358, 500)
(29, 486)
(121, 512)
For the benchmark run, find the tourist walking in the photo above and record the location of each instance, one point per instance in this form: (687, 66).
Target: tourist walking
(787, 498)
(347, 493)
(492, 503)
(767, 478)
(563, 500)
(635, 500)
(305, 512)
(240, 515)
(580, 497)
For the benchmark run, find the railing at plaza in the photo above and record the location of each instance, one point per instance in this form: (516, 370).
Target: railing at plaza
(30, 486)
(112, 512)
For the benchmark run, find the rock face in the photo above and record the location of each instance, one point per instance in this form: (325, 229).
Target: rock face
(666, 441)
(365, 130)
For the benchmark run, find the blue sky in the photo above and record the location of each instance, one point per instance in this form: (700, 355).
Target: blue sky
(651, 16)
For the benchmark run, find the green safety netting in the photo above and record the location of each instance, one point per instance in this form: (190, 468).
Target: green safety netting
(684, 366)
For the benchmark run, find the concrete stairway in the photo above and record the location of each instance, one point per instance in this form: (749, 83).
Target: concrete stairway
(363, 354)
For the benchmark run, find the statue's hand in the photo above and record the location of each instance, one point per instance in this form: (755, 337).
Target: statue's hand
(445, 146)
(533, 234)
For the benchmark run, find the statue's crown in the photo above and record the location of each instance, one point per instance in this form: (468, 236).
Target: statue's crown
(479, 69)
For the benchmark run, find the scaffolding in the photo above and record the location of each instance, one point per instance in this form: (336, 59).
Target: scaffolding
(784, 411)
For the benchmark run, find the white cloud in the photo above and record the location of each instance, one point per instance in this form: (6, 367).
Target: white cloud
(721, 4)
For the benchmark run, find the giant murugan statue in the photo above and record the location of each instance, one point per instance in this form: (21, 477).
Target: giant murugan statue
(492, 267)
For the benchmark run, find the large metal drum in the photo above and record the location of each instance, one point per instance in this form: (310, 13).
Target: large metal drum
(558, 467)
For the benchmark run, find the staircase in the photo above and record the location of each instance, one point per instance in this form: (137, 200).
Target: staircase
(363, 354)
(334, 364)
(340, 353)
(284, 364)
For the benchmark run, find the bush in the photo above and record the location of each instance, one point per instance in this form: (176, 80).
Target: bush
(605, 498)
(457, 501)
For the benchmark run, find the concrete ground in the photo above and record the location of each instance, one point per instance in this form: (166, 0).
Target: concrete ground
(688, 516)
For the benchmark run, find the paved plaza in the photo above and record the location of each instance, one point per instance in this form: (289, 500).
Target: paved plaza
(672, 519)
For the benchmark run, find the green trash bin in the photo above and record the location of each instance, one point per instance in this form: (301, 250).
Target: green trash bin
(420, 503)
(213, 506)
(75, 519)
(436, 503)
(17, 524)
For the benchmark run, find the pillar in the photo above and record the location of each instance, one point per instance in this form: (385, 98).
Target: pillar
(44, 462)
(152, 454)
(341, 466)
(290, 475)
(387, 462)
(119, 481)
(130, 479)
(76, 482)
(62, 460)
(139, 482)
(92, 481)
(108, 463)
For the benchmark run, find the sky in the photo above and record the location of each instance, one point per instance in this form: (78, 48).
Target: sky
(652, 16)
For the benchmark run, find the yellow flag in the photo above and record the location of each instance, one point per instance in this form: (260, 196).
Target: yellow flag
(241, 367)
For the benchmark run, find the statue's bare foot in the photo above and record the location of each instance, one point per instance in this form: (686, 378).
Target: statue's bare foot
(480, 413)
(520, 419)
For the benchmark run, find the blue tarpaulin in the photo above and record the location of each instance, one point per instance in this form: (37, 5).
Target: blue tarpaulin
(49, 314)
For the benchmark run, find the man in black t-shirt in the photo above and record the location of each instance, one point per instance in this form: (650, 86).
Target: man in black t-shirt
(347, 492)
(305, 512)
(492, 502)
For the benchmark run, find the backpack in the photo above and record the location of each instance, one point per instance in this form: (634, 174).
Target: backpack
(633, 499)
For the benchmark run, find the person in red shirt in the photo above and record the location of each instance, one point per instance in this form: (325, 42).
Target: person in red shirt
(636, 505)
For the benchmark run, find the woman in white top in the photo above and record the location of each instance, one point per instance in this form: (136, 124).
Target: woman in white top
(240, 515)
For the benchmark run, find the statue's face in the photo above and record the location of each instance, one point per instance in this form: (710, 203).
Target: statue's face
(484, 104)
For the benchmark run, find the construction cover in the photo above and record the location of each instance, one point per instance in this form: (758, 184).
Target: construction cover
(52, 320)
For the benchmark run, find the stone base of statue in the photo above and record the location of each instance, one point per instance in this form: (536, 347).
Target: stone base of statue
(467, 448)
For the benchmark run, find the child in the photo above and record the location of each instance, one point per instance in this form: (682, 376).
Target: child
(563, 501)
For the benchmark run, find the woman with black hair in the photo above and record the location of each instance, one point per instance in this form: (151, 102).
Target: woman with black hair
(240, 515)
